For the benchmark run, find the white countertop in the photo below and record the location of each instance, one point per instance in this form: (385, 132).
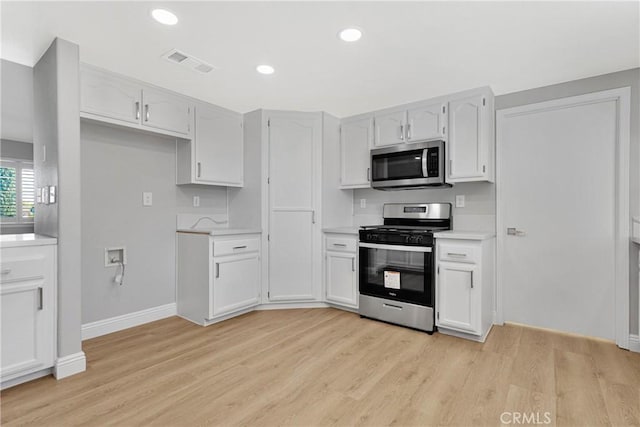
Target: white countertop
(18, 240)
(220, 231)
(352, 229)
(464, 235)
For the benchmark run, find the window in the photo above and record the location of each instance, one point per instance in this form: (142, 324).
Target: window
(17, 192)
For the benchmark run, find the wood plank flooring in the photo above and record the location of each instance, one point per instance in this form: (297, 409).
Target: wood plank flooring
(319, 367)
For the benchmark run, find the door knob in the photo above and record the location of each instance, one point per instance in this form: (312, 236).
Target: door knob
(512, 231)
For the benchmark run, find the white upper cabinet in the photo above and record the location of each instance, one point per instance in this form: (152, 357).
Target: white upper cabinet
(163, 110)
(215, 156)
(470, 144)
(115, 99)
(109, 96)
(356, 135)
(390, 128)
(426, 122)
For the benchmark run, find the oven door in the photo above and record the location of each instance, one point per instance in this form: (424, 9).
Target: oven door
(396, 272)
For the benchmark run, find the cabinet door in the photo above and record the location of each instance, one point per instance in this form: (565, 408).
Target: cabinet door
(162, 110)
(341, 278)
(236, 283)
(27, 327)
(458, 297)
(390, 128)
(109, 96)
(466, 153)
(355, 143)
(218, 147)
(426, 122)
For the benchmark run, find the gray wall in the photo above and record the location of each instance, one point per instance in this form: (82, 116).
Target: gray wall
(594, 84)
(56, 101)
(117, 166)
(16, 87)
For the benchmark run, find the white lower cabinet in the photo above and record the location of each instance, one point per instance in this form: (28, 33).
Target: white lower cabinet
(27, 299)
(217, 276)
(341, 270)
(465, 286)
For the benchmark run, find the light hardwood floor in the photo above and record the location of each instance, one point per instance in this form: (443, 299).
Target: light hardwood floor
(329, 367)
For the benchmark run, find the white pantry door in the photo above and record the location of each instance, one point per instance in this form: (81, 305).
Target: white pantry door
(557, 193)
(294, 140)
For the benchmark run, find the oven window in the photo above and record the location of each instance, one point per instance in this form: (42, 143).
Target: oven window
(396, 273)
(403, 165)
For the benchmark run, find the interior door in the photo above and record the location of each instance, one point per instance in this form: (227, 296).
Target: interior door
(557, 219)
(293, 230)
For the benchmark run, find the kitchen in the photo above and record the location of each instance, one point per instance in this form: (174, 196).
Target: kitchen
(296, 185)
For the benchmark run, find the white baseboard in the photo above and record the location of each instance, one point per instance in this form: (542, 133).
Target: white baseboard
(118, 323)
(634, 343)
(291, 305)
(70, 365)
(25, 378)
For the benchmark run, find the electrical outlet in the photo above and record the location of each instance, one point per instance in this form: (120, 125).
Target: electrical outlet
(196, 201)
(460, 201)
(147, 198)
(363, 203)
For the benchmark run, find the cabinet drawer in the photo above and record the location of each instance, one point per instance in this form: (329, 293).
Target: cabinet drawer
(240, 246)
(458, 253)
(341, 244)
(22, 269)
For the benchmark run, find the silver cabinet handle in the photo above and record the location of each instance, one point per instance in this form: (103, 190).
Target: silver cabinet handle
(353, 264)
(397, 307)
(342, 245)
(456, 254)
(199, 169)
(368, 174)
(146, 112)
(313, 217)
(408, 131)
(401, 132)
(217, 270)
(512, 231)
(137, 110)
(40, 299)
(6, 271)
(240, 247)
(450, 166)
(471, 279)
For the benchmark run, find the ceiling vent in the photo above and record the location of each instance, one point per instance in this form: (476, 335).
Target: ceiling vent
(177, 57)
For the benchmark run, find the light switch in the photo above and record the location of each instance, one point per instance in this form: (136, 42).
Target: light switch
(460, 201)
(196, 201)
(147, 198)
(363, 203)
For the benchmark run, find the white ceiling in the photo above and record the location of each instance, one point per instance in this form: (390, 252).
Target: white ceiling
(409, 51)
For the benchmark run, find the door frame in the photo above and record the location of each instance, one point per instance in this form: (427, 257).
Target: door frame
(622, 215)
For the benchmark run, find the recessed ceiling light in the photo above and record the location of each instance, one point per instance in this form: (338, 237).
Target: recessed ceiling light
(164, 16)
(265, 69)
(350, 34)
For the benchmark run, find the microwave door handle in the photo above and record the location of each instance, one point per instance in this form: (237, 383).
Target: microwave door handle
(424, 163)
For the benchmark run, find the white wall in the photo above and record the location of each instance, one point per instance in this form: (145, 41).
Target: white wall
(16, 89)
(117, 166)
(479, 212)
(56, 127)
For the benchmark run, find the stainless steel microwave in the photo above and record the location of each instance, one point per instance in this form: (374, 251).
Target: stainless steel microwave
(418, 165)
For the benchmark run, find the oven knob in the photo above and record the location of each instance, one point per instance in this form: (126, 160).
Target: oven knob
(418, 239)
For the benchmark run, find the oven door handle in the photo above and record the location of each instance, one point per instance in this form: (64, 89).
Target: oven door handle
(425, 172)
(400, 248)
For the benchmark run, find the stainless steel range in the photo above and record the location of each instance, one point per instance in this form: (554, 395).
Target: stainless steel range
(397, 280)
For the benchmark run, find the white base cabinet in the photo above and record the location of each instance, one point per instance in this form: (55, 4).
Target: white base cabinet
(217, 276)
(341, 269)
(465, 287)
(28, 307)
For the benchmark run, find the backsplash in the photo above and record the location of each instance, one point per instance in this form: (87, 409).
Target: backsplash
(479, 213)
